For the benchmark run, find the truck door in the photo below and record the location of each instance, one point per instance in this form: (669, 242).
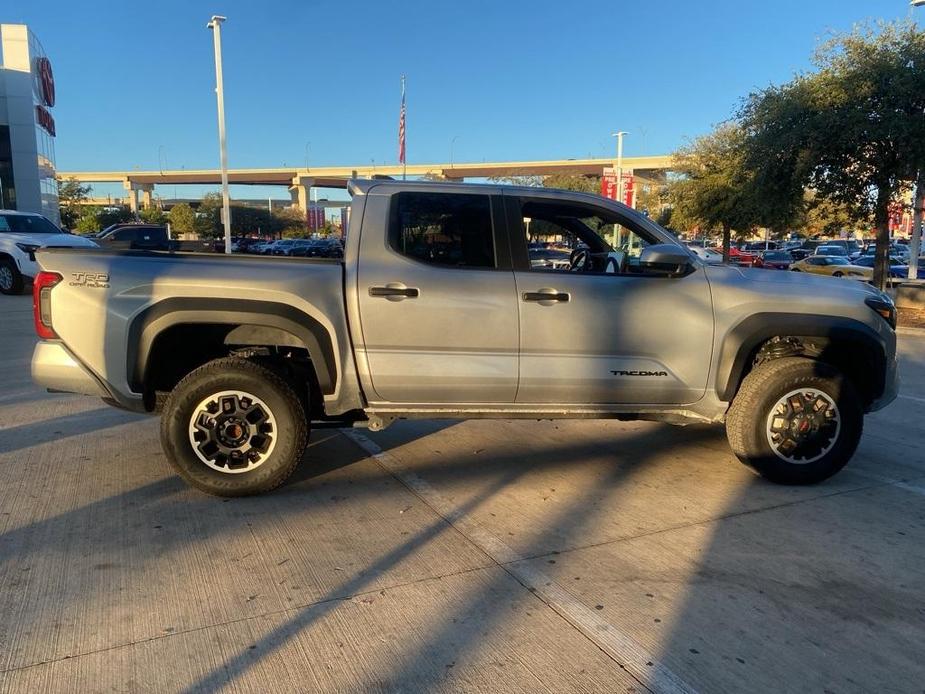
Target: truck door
(596, 327)
(438, 304)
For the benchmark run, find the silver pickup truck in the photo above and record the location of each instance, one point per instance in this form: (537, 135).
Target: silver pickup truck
(459, 301)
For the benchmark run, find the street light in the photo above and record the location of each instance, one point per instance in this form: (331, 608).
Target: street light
(619, 135)
(918, 199)
(215, 24)
(453, 142)
(308, 149)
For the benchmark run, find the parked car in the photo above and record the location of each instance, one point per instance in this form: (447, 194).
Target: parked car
(776, 260)
(280, 247)
(833, 265)
(743, 258)
(437, 312)
(831, 250)
(136, 237)
(899, 268)
(708, 255)
(21, 235)
(760, 246)
(549, 258)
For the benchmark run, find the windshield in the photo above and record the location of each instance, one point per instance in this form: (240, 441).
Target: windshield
(777, 256)
(836, 260)
(27, 224)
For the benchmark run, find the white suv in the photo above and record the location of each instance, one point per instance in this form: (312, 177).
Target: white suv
(21, 234)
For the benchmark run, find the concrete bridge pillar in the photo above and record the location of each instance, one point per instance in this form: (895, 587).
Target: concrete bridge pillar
(132, 196)
(147, 189)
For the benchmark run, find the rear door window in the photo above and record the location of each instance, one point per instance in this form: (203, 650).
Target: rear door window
(448, 229)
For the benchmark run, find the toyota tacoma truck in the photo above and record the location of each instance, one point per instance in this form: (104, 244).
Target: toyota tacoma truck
(436, 311)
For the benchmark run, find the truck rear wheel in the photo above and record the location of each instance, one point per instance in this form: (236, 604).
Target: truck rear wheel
(795, 421)
(234, 428)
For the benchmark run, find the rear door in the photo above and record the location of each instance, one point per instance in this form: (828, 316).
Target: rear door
(603, 329)
(438, 305)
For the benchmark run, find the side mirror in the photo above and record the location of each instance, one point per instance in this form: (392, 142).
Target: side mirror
(666, 258)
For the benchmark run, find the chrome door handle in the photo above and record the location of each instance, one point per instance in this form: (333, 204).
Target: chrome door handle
(546, 296)
(394, 291)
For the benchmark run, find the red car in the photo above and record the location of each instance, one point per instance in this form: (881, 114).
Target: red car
(777, 260)
(743, 258)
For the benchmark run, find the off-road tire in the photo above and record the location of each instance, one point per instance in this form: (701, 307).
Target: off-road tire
(15, 283)
(747, 419)
(235, 374)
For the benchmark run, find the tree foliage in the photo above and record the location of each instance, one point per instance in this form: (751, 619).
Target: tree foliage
(853, 131)
(153, 215)
(713, 189)
(94, 218)
(71, 193)
(184, 220)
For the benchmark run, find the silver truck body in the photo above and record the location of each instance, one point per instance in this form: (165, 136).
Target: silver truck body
(467, 344)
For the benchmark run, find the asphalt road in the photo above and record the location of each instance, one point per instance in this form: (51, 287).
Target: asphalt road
(475, 556)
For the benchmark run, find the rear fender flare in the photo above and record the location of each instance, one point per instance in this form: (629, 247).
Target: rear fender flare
(280, 319)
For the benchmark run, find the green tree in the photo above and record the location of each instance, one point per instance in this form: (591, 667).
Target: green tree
(853, 131)
(714, 187)
(153, 215)
(184, 220)
(71, 194)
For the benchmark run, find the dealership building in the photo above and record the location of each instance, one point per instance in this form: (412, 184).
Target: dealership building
(27, 126)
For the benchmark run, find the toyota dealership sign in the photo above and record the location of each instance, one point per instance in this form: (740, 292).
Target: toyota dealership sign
(44, 93)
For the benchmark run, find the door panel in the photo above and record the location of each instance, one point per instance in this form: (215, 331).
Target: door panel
(434, 333)
(596, 325)
(616, 340)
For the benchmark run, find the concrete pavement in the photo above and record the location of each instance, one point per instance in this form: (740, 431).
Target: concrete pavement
(474, 556)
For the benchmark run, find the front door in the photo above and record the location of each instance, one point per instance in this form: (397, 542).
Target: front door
(438, 305)
(597, 327)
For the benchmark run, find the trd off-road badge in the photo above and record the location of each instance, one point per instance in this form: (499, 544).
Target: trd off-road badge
(98, 280)
(620, 372)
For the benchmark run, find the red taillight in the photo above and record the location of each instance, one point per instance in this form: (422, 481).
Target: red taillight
(42, 285)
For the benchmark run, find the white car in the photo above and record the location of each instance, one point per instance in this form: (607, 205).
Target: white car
(709, 256)
(21, 235)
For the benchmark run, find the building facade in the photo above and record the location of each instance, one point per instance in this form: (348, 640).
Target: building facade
(27, 126)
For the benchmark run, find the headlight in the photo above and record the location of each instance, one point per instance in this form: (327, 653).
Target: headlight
(884, 306)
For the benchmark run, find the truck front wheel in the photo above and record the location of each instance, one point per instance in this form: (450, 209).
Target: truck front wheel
(233, 428)
(795, 420)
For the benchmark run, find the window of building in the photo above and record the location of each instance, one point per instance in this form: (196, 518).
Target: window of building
(443, 229)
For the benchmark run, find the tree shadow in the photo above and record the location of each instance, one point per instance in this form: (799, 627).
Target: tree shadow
(457, 635)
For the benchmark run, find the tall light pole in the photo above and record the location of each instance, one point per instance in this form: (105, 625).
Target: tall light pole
(918, 201)
(452, 142)
(215, 24)
(619, 165)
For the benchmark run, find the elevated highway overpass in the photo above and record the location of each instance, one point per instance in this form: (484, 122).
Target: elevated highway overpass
(299, 180)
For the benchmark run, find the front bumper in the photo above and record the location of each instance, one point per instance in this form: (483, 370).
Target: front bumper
(890, 386)
(56, 369)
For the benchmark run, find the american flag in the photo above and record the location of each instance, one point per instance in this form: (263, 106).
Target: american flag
(401, 125)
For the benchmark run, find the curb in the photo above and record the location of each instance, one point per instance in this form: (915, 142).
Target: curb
(916, 332)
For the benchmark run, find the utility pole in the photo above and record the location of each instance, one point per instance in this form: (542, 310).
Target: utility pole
(215, 24)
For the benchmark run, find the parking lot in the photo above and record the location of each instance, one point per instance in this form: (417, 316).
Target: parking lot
(505, 556)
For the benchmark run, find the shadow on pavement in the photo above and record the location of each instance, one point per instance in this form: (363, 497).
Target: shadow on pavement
(459, 635)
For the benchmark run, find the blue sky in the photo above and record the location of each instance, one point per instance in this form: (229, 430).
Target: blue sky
(508, 80)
